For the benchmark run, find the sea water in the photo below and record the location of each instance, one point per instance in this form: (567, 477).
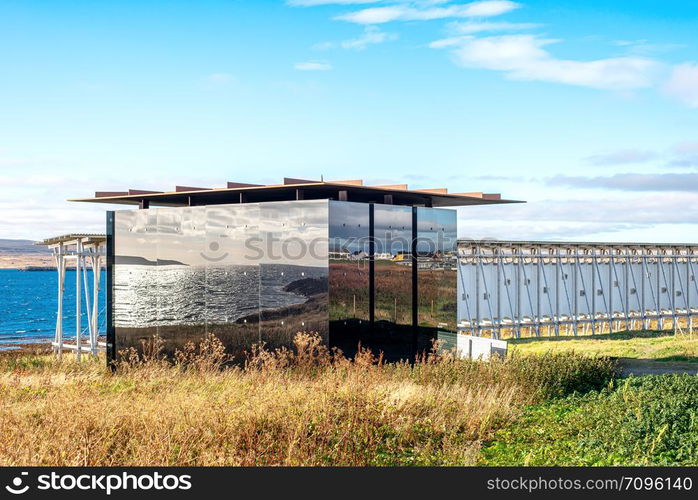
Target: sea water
(29, 303)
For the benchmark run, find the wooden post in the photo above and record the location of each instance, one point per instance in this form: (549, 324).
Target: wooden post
(78, 303)
(60, 266)
(96, 264)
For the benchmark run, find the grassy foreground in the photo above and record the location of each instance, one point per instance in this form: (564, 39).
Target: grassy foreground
(657, 346)
(651, 420)
(306, 406)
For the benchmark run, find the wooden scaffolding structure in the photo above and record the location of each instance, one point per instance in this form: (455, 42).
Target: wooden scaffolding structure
(85, 252)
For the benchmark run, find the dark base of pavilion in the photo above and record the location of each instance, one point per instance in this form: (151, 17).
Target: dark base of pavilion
(391, 342)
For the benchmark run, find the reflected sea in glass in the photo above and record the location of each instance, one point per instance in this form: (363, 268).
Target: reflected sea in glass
(197, 294)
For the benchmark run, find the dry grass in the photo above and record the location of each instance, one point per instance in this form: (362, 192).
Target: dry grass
(306, 406)
(654, 345)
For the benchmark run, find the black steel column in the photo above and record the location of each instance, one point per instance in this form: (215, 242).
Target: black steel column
(371, 266)
(415, 282)
(111, 337)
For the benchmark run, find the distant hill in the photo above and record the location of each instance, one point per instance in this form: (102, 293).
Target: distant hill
(19, 254)
(21, 247)
(130, 260)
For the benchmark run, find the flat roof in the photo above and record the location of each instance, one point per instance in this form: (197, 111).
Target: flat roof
(296, 189)
(87, 238)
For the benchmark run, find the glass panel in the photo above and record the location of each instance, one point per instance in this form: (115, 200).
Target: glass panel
(349, 274)
(182, 275)
(437, 272)
(393, 278)
(135, 284)
(169, 221)
(232, 277)
(293, 270)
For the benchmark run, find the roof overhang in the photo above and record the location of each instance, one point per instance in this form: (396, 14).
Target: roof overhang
(296, 189)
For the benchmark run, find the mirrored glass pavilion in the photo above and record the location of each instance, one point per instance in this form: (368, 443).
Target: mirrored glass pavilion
(251, 263)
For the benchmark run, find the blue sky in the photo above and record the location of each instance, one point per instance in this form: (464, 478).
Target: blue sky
(587, 110)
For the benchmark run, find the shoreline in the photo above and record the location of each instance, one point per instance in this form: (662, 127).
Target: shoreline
(17, 349)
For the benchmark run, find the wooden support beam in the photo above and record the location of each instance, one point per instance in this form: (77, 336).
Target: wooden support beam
(184, 189)
(388, 199)
(300, 194)
(343, 195)
(144, 204)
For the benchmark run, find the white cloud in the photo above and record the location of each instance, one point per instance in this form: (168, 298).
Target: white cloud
(312, 66)
(683, 84)
(629, 43)
(685, 154)
(489, 8)
(686, 148)
(522, 57)
(622, 157)
(314, 3)
(654, 217)
(644, 47)
(371, 35)
(379, 15)
(687, 182)
(469, 28)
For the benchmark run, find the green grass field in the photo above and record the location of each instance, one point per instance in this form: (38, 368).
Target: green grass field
(650, 420)
(657, 346)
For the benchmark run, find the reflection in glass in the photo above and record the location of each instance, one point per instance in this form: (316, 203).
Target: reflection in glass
(437, 269)
(135, 293)
(293, 290)
(349, 274)
(393, 264)
(232, 276)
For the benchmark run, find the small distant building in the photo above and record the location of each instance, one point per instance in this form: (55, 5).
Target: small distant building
(259, 263)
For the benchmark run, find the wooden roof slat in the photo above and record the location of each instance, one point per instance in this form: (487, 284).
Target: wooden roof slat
(434, 190)
(353, 182)
(291, 180)
(484, 196)
(401, 187)
(142, 191)
(235, 185)
(103, 194)
(184, 189)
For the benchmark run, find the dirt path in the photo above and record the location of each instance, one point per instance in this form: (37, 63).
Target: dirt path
(638, 367)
